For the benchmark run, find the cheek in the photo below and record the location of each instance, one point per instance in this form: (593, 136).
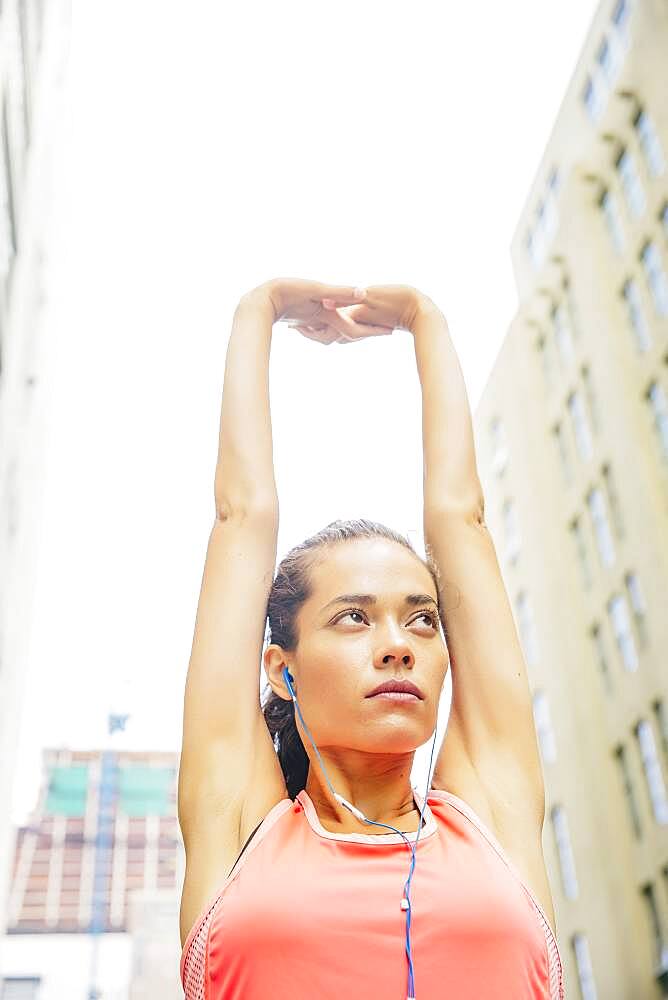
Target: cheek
(335, 682)
(334, 679)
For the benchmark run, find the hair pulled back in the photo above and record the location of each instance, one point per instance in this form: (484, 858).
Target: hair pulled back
(292, 586)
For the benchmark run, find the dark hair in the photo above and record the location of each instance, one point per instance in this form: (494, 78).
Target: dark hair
(293, 586)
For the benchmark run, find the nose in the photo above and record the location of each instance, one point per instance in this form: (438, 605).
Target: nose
(405, 658)
(396, 648)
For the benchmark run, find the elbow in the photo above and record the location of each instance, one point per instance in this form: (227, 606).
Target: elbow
(257, 507)
(469, 508)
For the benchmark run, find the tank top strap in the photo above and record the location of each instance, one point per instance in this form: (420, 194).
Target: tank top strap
(245, 846)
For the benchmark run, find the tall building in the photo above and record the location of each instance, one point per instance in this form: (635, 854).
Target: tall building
(33, 47)
(572, 443)
(105, 825)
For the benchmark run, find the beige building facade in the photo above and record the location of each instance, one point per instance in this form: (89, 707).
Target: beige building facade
(572, 443)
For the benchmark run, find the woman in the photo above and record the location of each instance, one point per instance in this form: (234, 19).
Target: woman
(293, 887)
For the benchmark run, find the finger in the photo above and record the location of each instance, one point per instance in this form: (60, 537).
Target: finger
(323, 336)
(353, 330)
(355, 320)
(306, 331)
(361, 314)
(310, 334)
(377, 332)
(310, 325)
(341, 295)
(342, 326)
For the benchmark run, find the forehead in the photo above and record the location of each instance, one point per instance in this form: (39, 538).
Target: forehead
(371, 566)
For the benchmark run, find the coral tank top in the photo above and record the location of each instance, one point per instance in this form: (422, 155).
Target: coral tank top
(307, 913)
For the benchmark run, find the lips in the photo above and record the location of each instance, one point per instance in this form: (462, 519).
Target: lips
(407, 687)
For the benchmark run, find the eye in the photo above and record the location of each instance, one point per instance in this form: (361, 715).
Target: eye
(433, 620)
(352, 611)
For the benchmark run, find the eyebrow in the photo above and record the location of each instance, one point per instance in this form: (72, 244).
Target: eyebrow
(410, 599)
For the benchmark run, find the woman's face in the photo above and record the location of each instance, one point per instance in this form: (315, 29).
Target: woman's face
(348, 647)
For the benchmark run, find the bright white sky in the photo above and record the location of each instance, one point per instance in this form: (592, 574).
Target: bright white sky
(208, 148)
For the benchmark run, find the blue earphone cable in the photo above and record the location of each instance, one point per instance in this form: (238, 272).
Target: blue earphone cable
(347, 805)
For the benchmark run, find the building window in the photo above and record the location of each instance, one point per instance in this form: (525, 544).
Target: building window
(652, 768)
(663, 218)
(546, 354)
(621, 627)
(662, 725)
(630, 181)
(611, 214)
(580, 545)
(656, 396)
(563, 335)
(550, 217)
(649, 143)
(592, 401)
(638, 606)
(13, 507)
(656, 277)
(565, 852)
(544, 728)
(20, 988)
(599, 517)
(540, 219)
(629, 792)
(580, 426)
(659, 939)
(636, 315)
(609, 57)
(585, 969)
(613, 500)
(620, 15)
(546, 222)
(527, 628)
(499, 445)
(19, 71)
(7, 217)
(512, 531)
(536, 242)
(562, 451)
(601, 656)
(571, 309)
(593, 98)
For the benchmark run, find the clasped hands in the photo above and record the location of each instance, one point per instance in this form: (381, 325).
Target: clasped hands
(340, 313)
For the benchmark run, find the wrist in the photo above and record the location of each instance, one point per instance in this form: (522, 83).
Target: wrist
(425, 310)
(260, 299)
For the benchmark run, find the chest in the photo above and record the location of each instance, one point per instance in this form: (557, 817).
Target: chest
(527, 855)
(473, 935)
(520, 837)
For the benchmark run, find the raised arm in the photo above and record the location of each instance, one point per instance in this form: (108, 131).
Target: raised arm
(221, 711)
(227, 754)
(491, 737)
(450, 474)
(491, 727)
(245, 468)
(222, 684)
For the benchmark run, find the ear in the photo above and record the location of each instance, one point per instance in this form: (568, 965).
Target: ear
(274, 661)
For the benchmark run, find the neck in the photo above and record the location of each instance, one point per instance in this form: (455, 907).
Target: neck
(386, 797)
